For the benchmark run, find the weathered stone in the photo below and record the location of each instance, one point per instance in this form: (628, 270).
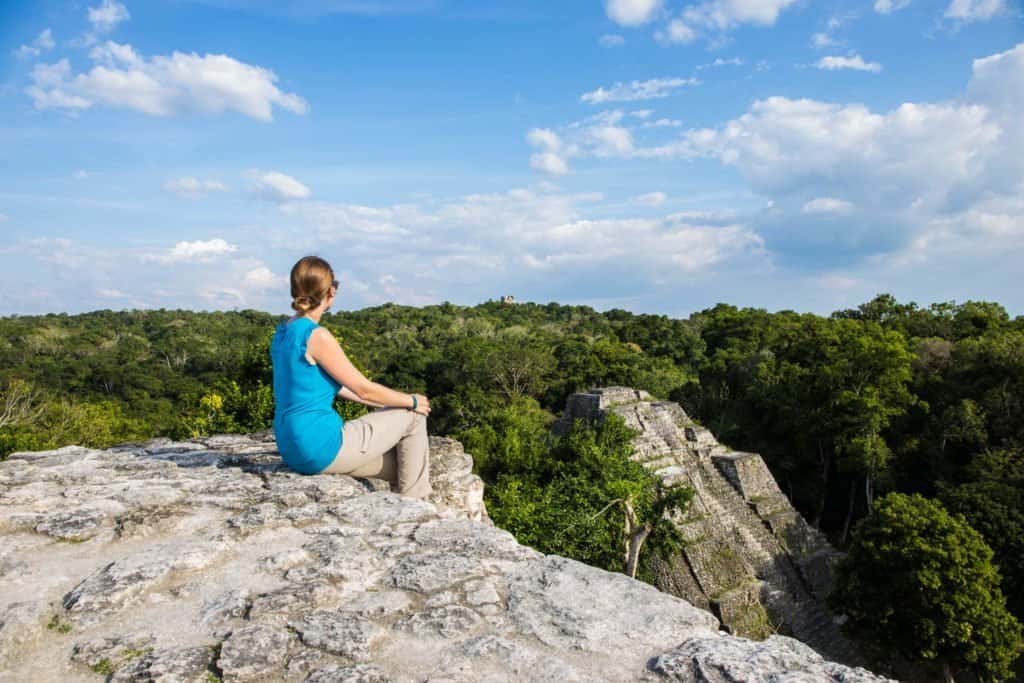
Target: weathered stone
(253, 652)
(167, 665)
(19, 626)
(465, 537)
(281, 605)
(345, 635)
(495, 655)
(568, 604)
(188, 561)
(121, 581)
(430, 571)
(726, 659)
(377, 603)
(360, 673)
(233, 604)
(81, 523)
(446, 621)
(111, 652)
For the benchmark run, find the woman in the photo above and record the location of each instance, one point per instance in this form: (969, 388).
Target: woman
(310, 369)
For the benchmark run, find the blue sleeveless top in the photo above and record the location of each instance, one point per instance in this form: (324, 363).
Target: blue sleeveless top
(306, 426)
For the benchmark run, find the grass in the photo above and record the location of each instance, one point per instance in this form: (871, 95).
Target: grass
(214, 676)
(59, 625)
(103, 667)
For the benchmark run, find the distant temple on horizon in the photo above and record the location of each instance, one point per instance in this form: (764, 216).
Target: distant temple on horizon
(508, 299)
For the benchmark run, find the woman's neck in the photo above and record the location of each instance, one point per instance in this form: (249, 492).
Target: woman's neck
(312, 315)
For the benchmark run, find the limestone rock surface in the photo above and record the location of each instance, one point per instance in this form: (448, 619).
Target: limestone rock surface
(209, 560)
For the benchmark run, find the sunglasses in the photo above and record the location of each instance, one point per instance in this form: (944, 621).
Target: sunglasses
(334, 283)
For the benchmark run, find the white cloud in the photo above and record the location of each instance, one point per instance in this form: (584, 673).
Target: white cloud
(733, 61)
(836, 281)
(4, 217)
(637, 90)
(538, 242)
(277, 186)
(263, 278)
(162, 85)
(49, 90)
(855, 62)
(107, 15)
(821, 40)
(720, 16)
(59, 274)
(549, 162)
(677, 31)
(999, 80)
(545, 138)
(651, 198)
(43, 42)
(975, 10)
(780, 140)
(826, 205)
(889, 6)
(631, 12)
(904, 176)
(611, 40)
(193, 187)
(662, 123)
(198, 251)
(80, 174)
(550, 158)
(478, 237)
(611, 141)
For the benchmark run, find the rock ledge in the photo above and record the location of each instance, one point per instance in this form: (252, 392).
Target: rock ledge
(209, 560)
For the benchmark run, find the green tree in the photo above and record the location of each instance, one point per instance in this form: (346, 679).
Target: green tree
(582, 496)
(996, 510)
(920, 583)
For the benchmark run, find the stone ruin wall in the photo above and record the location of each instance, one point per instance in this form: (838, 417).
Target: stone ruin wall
(750, 557)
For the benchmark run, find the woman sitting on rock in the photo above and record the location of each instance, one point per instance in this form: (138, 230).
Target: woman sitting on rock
(310, 369)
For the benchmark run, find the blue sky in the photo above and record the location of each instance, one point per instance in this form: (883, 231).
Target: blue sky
(657, 156)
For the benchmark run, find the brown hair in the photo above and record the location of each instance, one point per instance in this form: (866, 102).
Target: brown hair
(311, 279)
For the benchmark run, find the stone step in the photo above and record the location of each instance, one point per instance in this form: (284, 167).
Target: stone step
(765, 507)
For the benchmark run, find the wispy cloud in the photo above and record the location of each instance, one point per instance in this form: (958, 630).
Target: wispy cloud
(277, 187)
(42, 43)
(637, 90)
(107, 15)
(854, 62)
(719, 16)
(968, 11)
(193, 187)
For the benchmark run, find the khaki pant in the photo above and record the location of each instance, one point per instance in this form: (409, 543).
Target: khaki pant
(387, 443)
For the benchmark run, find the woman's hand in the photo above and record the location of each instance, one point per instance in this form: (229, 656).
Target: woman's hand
(422, 404)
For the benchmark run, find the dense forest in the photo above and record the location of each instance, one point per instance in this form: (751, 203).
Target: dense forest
(917, 411)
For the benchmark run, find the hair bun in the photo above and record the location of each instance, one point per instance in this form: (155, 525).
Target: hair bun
(304, 303)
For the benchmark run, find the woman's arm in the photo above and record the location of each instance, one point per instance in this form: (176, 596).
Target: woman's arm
(325, 350)
(350, 395)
